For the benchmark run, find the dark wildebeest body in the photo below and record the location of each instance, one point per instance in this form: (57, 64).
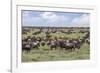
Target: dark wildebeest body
(35, 44)
(85, 37)
(69, 44)
(63, 44)
(53, 44)
(76, 43)
(87, 41)
(26, 46)
(48, 42)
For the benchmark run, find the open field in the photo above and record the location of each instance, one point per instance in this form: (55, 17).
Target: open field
(53, 55)
(45, 52)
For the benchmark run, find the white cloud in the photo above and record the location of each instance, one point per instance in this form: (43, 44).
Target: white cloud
(55, 19)
(48, 15)
(82, 21)
(52, 17)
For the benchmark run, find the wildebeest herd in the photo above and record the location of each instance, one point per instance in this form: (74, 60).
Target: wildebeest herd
(34, 38)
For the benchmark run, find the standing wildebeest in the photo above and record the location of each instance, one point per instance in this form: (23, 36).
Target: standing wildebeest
(87, 41)
(53, 44)
(48, 42)
(85, 37)
(77, 43)
(69, 44)
(29, 43)
(35, 42)
(65, 44)
(26, 46)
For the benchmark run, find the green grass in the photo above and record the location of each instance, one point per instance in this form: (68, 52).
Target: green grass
(44, 54)
(58, 34)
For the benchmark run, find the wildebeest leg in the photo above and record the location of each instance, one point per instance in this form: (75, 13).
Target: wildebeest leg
(70, 48)
(51, 48)
(28, 50)
(77, 46)
(36, 47)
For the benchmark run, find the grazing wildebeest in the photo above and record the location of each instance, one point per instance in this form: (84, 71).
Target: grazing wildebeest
(69, 44)
(65, 44)
(35, 44)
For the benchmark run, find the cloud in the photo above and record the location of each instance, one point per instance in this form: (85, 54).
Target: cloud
(52, 17)
(81, 21)
(32, 18)
(44, 19)
(48, 15)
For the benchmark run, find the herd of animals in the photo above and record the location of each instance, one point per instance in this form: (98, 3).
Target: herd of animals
(32, 42)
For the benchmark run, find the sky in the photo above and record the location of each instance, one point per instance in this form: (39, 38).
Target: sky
(55, 19)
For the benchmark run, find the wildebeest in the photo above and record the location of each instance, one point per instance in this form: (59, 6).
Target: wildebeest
(85, 37)
(26, 46)
(77, 43)
(65, 44)
(87, 41)
(24, 32)
(35, 44)
(70, 44)
(53, 44)
(30, 43)
(37, 32)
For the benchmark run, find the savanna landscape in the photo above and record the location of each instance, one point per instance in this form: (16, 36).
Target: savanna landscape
(55, 36)
(55, 44)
